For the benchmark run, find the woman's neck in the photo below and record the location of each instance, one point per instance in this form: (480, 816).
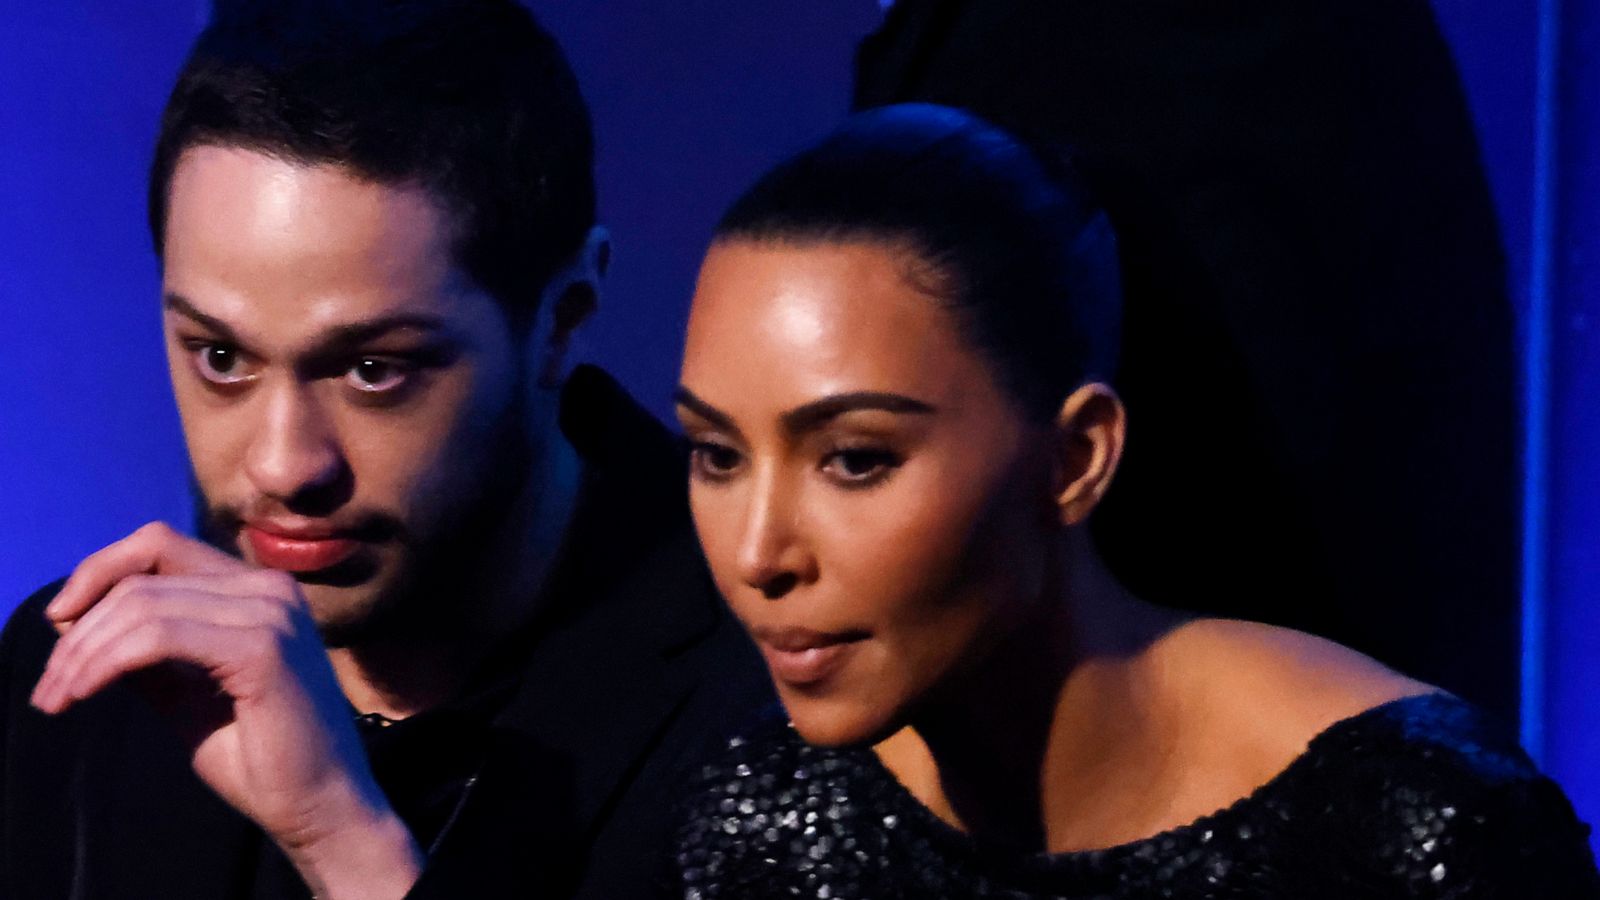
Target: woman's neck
(1058, 707)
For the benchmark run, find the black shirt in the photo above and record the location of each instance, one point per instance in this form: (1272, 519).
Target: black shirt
(1416, 798)
(553, 775)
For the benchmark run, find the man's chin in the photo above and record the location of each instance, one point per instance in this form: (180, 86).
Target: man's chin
(346, 616)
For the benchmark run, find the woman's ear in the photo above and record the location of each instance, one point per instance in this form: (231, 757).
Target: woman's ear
(1090, 431)
(571, 297)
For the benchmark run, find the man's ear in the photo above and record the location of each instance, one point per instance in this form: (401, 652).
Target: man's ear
(1090, 431)
(571, 297)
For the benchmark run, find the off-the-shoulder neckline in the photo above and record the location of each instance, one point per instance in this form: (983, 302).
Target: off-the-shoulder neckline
(907, 805)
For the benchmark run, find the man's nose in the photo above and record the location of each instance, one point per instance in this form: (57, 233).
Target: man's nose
(295, 452)
(774, 555)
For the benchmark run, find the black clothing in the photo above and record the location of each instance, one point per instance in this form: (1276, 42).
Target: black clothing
(554, 775)
(1411, 799)
(1318, 354)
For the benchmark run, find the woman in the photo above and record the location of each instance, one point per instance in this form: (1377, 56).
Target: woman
(894, 384)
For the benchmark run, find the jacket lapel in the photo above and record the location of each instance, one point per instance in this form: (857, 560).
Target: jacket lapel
(601, 692)
(592, 703)
(141, 827)
(607, 674)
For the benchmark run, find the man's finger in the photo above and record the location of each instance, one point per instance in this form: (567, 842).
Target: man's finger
(153, 549)
(152, 642)
(237, 598)
(125, 608)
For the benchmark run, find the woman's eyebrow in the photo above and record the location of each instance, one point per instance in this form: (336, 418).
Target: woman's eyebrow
(810, 416)
(687, 399)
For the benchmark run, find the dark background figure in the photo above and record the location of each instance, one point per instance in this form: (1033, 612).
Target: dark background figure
(1304, 224)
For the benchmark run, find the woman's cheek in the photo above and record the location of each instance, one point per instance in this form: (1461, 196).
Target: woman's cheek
(716, 525)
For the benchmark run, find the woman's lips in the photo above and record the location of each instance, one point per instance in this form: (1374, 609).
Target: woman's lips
(298, 554)
(800, 658)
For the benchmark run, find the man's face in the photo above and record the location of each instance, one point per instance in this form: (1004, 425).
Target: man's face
(346, 392)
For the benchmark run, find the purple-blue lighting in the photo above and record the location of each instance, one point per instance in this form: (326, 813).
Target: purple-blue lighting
(689, 105)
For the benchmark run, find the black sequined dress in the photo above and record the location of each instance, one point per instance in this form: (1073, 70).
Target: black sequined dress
(1416, 798)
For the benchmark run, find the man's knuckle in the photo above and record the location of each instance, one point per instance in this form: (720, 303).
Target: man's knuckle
(154, 531)
(88, 569)
(141, 600)
(277, 583)
(164, 631)
(84, 567)
(264, 611)
(149, 639)
(134, 590)
(280, 618)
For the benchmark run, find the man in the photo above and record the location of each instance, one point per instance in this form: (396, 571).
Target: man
(448, 634)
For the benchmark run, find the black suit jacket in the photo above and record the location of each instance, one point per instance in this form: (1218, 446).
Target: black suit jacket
(561, 776)
(1318, 348)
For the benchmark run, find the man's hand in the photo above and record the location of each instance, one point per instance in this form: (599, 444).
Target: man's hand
(230, 654)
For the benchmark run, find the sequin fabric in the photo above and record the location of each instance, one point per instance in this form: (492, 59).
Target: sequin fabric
(1412, 799)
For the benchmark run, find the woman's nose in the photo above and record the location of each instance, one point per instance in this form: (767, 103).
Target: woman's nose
(774, 556)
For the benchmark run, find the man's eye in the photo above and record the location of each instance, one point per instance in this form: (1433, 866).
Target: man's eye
(858, 467)
(713, 460)
(372, 375)
(220, 363)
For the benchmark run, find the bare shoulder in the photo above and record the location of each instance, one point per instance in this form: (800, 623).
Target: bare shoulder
(1272, 688)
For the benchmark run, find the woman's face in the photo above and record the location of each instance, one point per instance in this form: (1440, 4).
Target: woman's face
(874, 508)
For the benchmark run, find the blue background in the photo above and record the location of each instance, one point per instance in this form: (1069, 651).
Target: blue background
(692, 99)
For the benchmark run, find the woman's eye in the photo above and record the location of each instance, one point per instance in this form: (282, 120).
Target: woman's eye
(713, 460)
(220, 363)
(375, 376)
(860, 466)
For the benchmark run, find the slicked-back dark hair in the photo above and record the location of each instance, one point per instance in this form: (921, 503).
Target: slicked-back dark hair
(1005, 237)
(470, 99)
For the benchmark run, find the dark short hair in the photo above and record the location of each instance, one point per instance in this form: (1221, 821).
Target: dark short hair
(1005, 236)
(470, 99)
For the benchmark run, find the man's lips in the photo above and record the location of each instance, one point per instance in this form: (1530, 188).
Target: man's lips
(298, 551)
(801, 657)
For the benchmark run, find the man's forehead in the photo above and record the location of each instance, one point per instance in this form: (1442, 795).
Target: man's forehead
(230, 206)
(269, 180)
(288, 251)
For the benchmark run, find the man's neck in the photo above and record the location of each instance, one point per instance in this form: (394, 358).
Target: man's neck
(398, 679)
(417, 668)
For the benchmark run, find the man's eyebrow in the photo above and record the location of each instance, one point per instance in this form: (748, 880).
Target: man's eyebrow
(819, 412)
(183, 307)
(339, 338)
(353, 335)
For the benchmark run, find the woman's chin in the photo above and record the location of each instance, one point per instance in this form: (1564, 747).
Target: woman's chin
(838, 722)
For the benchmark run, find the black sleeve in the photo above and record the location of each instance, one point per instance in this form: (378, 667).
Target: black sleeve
(25, 644)
(1456, 821)
(1512, 840)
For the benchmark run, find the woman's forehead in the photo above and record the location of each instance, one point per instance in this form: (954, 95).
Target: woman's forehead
(783, 323)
